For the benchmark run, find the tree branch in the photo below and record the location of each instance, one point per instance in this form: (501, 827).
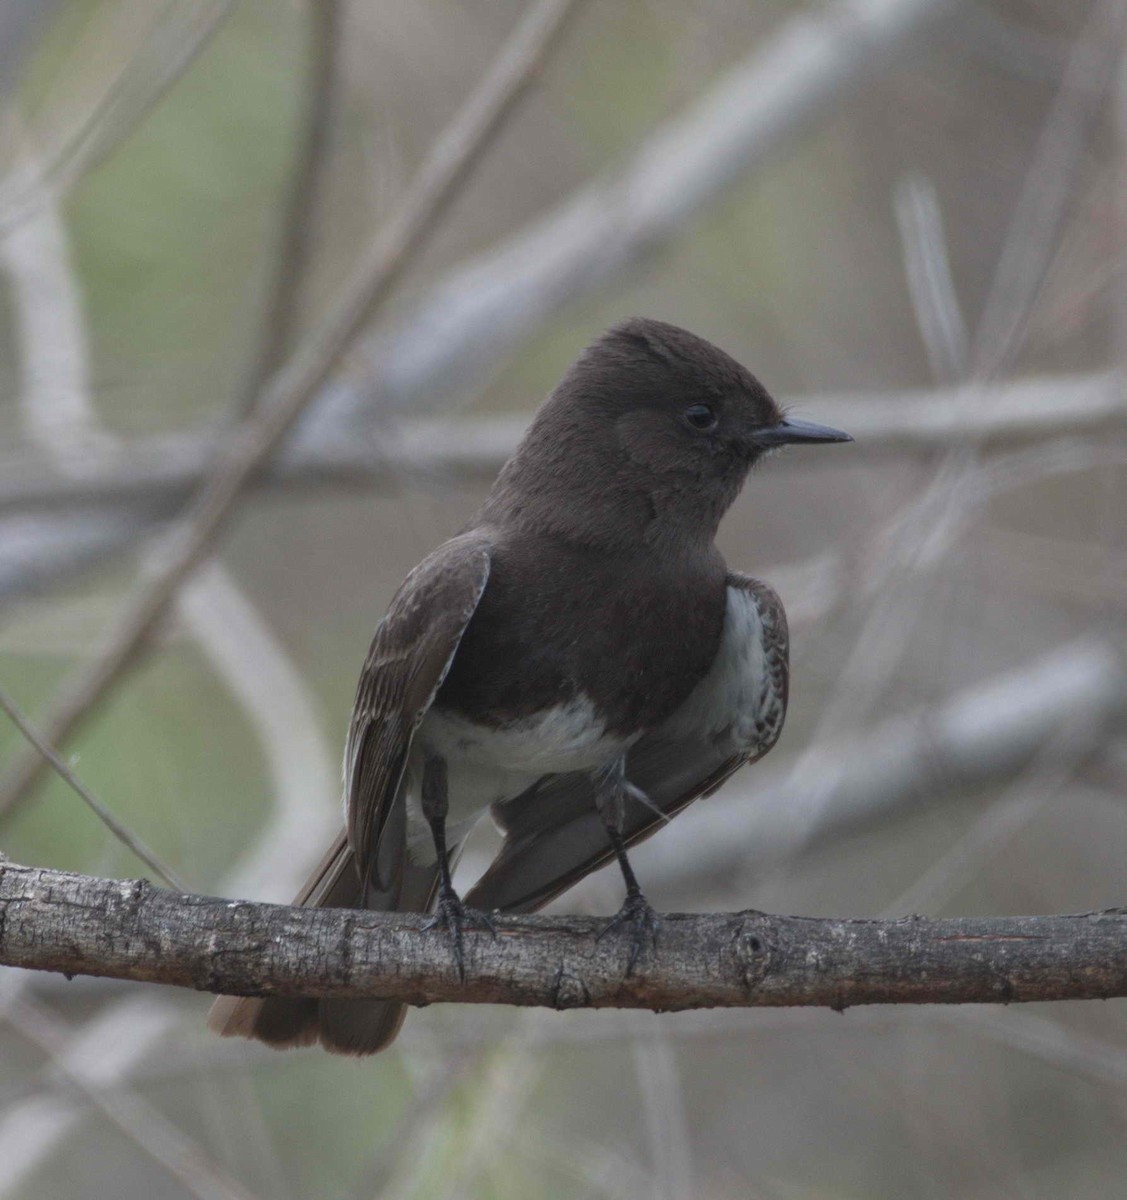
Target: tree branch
(303, 202)
(477, 314)
(450, 163)
(977, 737)
(56, 921)
(153, 474)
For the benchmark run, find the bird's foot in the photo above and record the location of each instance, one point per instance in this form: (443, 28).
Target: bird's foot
(451, 914)
(642, 922)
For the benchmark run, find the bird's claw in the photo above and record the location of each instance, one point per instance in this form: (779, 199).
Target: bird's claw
(643, 922)
(451, 914)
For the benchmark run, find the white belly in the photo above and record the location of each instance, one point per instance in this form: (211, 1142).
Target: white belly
(485, 765)
(731, 701)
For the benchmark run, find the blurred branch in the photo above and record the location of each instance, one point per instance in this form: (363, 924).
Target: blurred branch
(139, 1120)
(261, 675)
(157, 472)
(978, 736)
(38, 551)
(58, 411)
(474, 317)
(447, 167)
(303, 203)
(927, 266)
(56, 921)
(471, 320)
(1049, 193)
(55, 408)
(120, 831)
(54, 401)
(181, 32)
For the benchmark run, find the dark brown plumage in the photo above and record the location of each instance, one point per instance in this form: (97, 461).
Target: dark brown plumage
(577, 658)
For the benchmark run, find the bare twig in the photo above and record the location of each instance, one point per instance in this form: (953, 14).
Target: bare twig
(1034, 232)
(303, 203)
(151, 475)
(180, 33)
(140, 1121)
(457, 152)
(928, 269)
(980, 735)
(39, 551)
(52, 920)
(56, 410)
(59, 413)
(120, 831)
(473, 318)
(467, 325)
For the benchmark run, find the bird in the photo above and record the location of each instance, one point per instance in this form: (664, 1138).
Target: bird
(578, 661)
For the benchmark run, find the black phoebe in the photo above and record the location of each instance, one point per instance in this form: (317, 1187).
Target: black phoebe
(578, 661)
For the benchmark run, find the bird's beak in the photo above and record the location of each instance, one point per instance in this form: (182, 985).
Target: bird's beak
(791, 430)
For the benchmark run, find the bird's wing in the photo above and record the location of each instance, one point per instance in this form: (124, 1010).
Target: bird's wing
(554, 835)
(408, 660)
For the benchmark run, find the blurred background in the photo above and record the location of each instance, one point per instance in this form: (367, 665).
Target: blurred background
(908, 218)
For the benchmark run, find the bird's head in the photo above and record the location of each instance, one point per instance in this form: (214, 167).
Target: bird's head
(655, 425)
(679, 404)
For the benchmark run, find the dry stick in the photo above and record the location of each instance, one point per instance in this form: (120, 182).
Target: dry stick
(927, 270)
(180, 35)
(303, 203)
(975, 738)
(478, 313)
(56, 921)
(120, 831)
(61, 417)
(1047, 198)
(447, 167)
(154, 473)
(175, 1151)
(55, 407)
(888, 623)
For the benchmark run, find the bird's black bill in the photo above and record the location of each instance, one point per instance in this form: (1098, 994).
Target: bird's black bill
(792, 430)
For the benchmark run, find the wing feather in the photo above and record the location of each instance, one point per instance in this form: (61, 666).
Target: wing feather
(408, 660)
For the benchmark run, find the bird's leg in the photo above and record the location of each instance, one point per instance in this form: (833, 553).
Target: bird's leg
(611, 790)
(450, 912)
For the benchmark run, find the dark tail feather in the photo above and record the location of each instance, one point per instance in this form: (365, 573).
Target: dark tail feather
(342, 1026)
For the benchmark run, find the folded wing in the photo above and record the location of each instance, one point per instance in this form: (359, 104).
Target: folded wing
(367, 866)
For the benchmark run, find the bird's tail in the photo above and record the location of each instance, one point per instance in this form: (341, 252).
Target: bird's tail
(342, 1026)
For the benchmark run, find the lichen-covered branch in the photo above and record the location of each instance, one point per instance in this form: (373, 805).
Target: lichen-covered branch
(56, 921)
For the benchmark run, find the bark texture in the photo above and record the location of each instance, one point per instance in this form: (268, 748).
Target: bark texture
(56, 921)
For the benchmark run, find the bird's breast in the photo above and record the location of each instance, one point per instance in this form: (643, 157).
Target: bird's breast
(580, 638)
(486, 764)
(571, 736)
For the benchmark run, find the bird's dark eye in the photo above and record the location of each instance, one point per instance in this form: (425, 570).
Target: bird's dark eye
(701, 416)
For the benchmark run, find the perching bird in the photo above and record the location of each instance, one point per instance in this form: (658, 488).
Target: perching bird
(578, 661)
